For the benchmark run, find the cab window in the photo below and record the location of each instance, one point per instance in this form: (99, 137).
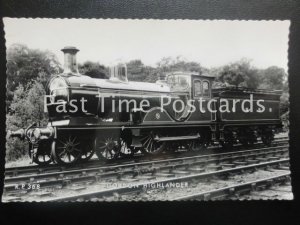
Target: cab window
(182, 81)
(179, 82)
(171, 80)
(205, 88)
(197, 88)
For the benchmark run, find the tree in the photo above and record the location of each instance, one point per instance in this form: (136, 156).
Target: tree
(135, 67)
(284, 103)
(25, 65)
(275, 78)
(169, 64)
(137, 71)
(94, 70)
(272, 78)
(239, 74)
(285, 120)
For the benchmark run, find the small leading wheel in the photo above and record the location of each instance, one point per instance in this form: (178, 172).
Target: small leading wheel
(88, 150)
(42, 159)
(41, 153)
(107, 148)
(151, 146)
(66, 150)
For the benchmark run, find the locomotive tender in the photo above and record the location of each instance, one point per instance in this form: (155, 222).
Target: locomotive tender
(115, 117)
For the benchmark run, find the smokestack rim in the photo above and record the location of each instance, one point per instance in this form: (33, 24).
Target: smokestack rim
(70, 49)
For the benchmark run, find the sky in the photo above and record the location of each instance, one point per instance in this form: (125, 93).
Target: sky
(212, 43)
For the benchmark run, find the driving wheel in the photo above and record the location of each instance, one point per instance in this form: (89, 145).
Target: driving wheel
(107, 148)
(150, 145)
(66, 150)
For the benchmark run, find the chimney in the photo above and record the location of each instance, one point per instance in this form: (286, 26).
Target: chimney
(70, 64)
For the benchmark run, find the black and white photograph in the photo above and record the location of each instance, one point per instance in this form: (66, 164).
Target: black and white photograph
(146, 110)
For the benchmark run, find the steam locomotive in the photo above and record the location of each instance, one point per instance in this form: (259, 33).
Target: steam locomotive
(115, 117)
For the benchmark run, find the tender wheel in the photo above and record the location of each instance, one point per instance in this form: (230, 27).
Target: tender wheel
(66, 150)
(247, 142)
(150, 145)
(267, 136)
(267, 139)
(229, 140)
(244, 142)
(175, 146)
(247, 138)
(227, 144)
(197, 146)
(88, 150)
(107, 148)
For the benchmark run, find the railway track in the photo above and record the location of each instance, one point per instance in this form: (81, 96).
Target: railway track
(118, 170)
(35, 169)
(271, 190)
(120, 193)
(237, 190)
(133, 173)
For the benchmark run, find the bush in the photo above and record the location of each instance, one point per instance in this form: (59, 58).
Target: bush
(25, 109)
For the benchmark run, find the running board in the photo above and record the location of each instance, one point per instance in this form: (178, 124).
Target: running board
(177, 138)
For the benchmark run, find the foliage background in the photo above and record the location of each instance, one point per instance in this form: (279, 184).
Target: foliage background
(28, 71)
